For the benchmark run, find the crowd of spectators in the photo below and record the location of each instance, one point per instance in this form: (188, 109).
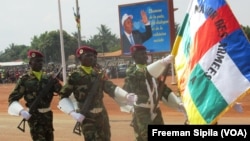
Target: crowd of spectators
(11, 74)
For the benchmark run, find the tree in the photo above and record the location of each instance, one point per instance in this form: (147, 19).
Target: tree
(104, 41)
(14, 52)
(83, 42)
(247, 31)
(49, 44)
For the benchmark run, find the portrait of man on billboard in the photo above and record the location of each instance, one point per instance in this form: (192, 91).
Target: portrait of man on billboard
(145, 23)
(130, 36)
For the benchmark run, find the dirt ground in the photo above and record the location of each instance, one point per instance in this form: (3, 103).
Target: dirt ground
(120, 129)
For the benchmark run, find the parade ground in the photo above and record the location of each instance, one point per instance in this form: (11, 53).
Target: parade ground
(119, 121)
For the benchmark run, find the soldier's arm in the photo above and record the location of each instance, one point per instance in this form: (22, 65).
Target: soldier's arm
(15, 107)
(118, 94)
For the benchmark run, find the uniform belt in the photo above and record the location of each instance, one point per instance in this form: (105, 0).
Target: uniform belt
(96, 110)
(44, 110)
(144, 105)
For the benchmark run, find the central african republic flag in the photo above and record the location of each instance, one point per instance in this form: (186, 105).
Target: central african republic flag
(212, 63)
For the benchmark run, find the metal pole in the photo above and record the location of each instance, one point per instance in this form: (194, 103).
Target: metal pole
(62, 43)
(173, 75)
(172, 63)
(78, 26)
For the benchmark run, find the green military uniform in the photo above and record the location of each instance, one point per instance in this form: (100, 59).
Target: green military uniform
(96, 123)
(41, 122)
(135, 82)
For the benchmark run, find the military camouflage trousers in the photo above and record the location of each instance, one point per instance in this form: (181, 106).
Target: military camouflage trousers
(41, 126)
(96, 127)
(141, 120)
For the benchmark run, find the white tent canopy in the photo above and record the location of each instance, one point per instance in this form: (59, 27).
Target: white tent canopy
(14, 63)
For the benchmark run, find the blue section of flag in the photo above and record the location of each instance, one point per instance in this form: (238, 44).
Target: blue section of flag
(238, 48)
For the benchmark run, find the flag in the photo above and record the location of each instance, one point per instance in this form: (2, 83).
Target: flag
(77, 19)
(211, 61)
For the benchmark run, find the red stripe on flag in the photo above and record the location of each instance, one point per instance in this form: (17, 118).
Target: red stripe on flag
(212, 31)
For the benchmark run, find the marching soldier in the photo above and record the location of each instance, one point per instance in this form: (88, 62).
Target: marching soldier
(142, 80)
(93, 118)
(28, 87)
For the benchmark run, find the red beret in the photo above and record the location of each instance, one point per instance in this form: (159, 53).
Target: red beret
(84, 49)
(34, 54)
(137, 47)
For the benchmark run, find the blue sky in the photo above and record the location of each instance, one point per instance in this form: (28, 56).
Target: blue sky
(23, 19)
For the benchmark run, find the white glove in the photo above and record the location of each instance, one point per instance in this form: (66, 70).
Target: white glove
(237, 107)
(77, 116)
(131, 98)
(168, 59)
(25, 114)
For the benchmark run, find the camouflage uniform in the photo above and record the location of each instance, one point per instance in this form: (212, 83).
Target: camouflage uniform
(96, 124)
(135, 82)
(28, 86)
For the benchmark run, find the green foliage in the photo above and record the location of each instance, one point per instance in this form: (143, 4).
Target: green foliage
(14, 52)
(104, 41)
(49, 44)
(246, 29)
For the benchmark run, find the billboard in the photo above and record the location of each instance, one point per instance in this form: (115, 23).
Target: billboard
(149, 23)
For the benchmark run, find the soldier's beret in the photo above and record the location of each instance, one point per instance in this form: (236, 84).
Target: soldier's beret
(34, 54)
(81, 50)
(137, 47)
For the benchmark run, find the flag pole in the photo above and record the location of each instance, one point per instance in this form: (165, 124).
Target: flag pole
(62, 43)
(77, 16)
(172, 9)
(173, 82)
